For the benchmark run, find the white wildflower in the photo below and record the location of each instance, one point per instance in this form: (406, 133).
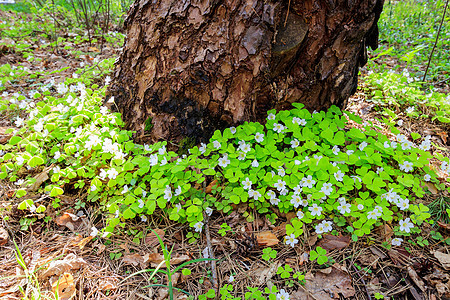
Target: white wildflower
(247, 184)
(209, 211)
(198, 226)
(406, 166)
(315, 210)
(406, 225)
(255, 163)
(396, 241)
(336, 150)
(344, 208)
(259, 137)
(278, 128)
(327, 189)
(283, 295)
(290, 240)
(339, 175)
(216, 144)
(224, 161)
(295, 143)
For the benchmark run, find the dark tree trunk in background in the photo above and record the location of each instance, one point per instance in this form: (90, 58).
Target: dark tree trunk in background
(193, 66)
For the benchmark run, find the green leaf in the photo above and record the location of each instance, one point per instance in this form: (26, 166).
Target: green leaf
(20, 193)
(322, 259)
(415, 135)
(14, 140)
(129, 213)
(40, 209)
(25, 204)
(339, 138)
(56, 191)
(209, 172)
(211, 293)
(128, 166)
(321, 251)
(327, 134)
(313, 255)
(355, 133)
(186, 272)
(35, 161)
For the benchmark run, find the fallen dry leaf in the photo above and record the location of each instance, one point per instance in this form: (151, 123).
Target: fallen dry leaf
(280, 230)
(399, 256)
(262, 274)
(431, 187)
(326, 285)
(100, 249)
(69, 220)
(444, 225)
(125, 247)
(151, 240)
(65, 287)
(58, 267)
(134, 259)
(443, 258)
(303, 258)
(153, 258)
(413, 290)
(440, 280)
(10, 194)
(164, 292)
(368, 259)
(84, 242)
(210, 186)
(3, 236)
(107, 284)
(156, 258)
(40, 178)
(93, 49)
(179, 259)
(312, 239)
(386, 232)
(374, 286)
(442, 288)
(266, 239)
(330, 242)
(4, 138)
(443, 135)
(290, 216)
(413, 275)
(377, 252)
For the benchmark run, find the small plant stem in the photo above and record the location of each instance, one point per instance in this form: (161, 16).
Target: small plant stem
(364, 283)
(435, 43)
(211, 255)
(210, 251)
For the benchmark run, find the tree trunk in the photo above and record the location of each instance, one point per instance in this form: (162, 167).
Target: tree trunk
(189, 67)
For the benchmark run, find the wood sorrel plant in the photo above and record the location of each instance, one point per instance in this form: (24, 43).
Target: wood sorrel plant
(314, 164)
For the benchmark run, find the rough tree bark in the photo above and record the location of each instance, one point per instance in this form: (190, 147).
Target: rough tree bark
(192, 66)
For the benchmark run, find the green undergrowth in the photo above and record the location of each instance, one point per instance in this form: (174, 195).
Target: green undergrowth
(408, 31)
(401, 92)
(335, 177)
(335, 172)
(331, 175)
(24, 33)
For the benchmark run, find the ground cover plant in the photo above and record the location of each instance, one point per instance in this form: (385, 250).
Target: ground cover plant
(306, 178)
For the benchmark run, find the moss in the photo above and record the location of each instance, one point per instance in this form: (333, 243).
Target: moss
(186, 144)
(148, 124)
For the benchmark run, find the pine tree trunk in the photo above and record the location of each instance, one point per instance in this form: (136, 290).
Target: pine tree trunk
(189, 67)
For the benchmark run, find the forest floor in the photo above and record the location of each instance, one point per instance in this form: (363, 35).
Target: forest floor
(60, 241)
